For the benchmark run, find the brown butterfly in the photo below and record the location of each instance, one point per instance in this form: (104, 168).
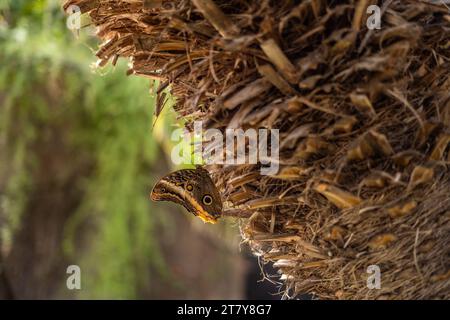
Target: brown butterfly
(194, 190)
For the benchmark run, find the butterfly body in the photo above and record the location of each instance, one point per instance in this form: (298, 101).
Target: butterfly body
(194, 190)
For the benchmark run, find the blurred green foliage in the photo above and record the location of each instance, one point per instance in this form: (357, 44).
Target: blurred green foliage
(45, 79)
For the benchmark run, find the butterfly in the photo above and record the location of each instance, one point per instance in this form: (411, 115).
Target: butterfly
(194, 190)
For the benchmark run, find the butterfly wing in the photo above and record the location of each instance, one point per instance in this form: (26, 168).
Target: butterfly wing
(194, 190)
(207, 194)
(172, 187)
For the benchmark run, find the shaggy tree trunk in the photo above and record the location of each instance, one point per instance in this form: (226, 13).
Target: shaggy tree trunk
(364, 120)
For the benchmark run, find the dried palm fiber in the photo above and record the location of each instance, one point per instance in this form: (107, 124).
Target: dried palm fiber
(364, 119)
